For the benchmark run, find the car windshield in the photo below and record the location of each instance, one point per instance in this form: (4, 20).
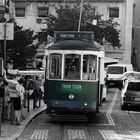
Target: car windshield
(115, 70)
(134, 86)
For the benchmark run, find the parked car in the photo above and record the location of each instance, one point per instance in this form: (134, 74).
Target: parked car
(131, 75)
(115, 72)
(130, 93)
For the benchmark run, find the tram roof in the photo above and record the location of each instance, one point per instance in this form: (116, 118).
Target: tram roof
(75, 45)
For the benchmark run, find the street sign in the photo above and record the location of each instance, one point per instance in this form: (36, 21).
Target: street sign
(94, 22)
(9, 31)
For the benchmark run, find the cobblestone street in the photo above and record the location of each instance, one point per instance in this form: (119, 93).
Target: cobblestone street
(110, 124)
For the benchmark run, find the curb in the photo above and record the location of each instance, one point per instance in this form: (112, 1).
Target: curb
(21, 128)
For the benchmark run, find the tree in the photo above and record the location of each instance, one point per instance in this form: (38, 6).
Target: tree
(20, 51)
(67, 19)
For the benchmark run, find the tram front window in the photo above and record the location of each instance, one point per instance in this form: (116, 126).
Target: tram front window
(72, 67)
(55, 66)
(89, 67)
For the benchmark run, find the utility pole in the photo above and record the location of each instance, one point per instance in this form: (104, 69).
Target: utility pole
(6, 32)
(5, 35)
(80, 17)
(5, 28)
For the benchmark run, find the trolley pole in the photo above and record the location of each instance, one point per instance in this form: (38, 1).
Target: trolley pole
(80, 17)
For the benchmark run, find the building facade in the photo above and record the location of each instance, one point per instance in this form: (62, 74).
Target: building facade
(136, 36)
(31, 14)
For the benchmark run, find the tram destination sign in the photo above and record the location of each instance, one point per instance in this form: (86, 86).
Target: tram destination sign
(71, 88)
(87, 36)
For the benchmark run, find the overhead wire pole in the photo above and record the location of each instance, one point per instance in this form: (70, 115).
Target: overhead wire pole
(80, 17)
(5, 36)
(5, 44)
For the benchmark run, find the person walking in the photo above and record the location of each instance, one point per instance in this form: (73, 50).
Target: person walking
(15, 96)
(22, 93)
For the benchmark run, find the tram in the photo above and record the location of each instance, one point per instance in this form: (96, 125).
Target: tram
(74, 74)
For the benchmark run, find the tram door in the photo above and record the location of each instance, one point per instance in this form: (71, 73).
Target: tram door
(101, 78)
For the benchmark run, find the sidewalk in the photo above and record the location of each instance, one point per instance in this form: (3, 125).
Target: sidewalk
(12, 132)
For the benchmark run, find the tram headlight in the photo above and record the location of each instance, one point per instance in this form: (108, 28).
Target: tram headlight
(85, 104)
(71, 96)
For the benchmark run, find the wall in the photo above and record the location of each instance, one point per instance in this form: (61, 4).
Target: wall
(136, 38)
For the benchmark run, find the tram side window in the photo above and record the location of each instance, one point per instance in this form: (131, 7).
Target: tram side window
(72, 67)
(89, 67)
(55, 66)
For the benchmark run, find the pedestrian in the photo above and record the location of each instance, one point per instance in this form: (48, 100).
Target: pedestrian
(7, 102)
(28, 85)
(22, 93)
(15, 96)
(36, 91)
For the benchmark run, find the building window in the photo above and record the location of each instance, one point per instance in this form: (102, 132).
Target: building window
(114, 12)
(20, 12)
(20, 9)
(42, 11)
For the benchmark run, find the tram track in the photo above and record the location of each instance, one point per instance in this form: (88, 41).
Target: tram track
(78, 128)
(74, 128)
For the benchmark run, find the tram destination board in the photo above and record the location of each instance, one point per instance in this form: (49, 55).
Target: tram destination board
(71, 35)
(71, 87)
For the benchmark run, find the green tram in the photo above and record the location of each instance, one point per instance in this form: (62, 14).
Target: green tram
(74, 74)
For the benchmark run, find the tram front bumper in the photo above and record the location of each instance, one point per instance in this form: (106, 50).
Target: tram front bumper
(71, 106)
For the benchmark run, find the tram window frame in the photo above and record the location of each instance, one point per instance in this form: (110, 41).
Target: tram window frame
(89, 69)
(55, 64)
(72, 71)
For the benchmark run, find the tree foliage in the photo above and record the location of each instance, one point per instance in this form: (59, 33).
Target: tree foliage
(67, 19)
(20, 51)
